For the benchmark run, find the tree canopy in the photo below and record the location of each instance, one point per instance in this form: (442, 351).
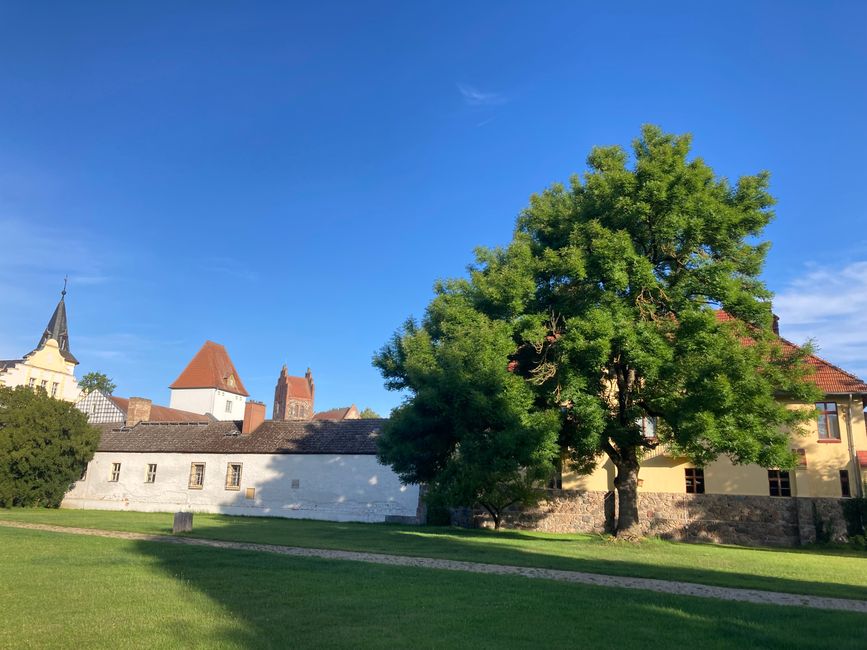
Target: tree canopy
(45, 445)
(368, 414)
(96, 381)
(608, 307)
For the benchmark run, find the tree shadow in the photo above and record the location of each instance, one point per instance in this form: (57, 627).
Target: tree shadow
(280, 601)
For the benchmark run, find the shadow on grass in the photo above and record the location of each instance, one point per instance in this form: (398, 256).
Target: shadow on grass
(291, 602)
(653, 559)
(785, 570)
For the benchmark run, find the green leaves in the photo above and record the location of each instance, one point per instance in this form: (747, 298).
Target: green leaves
(45, 444)
(601, 311)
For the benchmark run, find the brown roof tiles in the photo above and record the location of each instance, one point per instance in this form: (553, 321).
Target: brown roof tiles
(211, 368)
(357, 437)
(828, 377)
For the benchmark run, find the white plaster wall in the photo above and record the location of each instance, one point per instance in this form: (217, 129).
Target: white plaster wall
(330, 487)
(208, 400)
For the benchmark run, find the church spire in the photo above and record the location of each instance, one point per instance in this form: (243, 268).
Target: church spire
(58, 329)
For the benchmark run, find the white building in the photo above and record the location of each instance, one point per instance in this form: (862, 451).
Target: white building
(299, 469)
(210, 384)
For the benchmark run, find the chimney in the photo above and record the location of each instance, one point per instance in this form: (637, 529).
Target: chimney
(776, 325)
(254, 415)
(139, 410)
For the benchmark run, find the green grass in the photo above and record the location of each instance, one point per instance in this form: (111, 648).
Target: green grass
(805, 571)
(66, 591)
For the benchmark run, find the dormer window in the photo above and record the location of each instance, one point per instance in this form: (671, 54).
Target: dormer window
(231, 381)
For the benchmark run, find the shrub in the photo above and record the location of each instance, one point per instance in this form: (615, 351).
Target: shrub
(855, 513)
(45, 444)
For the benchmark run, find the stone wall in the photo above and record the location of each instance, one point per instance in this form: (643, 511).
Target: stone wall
(719, 518)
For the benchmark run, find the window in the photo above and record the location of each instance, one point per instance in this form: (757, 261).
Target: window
(44, 385)
(778, 482)
(829, 426)
(31, 383)
(152, 474)
(233, 476)
(197, 476)
(115, 472)
(228, 406)
(54, 386)
(844, 483)
(84, 474)
(802, 457)
(296, 483)
(694, 480)
(648, 426)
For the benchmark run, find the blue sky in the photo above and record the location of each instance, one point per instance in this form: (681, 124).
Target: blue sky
(290, 181)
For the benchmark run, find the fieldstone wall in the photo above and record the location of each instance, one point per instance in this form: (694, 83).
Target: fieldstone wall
(719, 518)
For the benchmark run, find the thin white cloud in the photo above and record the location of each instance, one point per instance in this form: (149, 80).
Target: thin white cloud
(36, 254)
(475, 97)
(829, 306)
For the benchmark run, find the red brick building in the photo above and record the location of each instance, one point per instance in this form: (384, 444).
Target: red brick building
(293, 396)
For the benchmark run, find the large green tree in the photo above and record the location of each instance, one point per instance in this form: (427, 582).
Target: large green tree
(612, 291)
(45, 444)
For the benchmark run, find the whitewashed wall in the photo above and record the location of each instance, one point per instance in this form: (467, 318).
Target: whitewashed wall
(208, 400)
(330, 487)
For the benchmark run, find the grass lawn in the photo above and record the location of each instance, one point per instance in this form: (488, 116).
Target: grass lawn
(71, 591)
(807, 571)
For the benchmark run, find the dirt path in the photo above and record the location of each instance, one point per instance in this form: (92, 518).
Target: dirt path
(663, 586)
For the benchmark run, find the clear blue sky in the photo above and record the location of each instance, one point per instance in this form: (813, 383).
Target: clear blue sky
(290, 181)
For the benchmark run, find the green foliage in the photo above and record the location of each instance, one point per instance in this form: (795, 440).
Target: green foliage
(96, 381)
(855, 513)
(45, 444)
(369, 414)
(604, 302)
(470, 428)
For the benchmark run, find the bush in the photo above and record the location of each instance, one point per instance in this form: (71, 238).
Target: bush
(855, 513)
(45, 444)
(438, 511)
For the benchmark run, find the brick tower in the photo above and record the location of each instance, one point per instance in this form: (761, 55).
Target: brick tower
(293, 396)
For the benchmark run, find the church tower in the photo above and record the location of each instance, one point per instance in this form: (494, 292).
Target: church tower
(293, 396)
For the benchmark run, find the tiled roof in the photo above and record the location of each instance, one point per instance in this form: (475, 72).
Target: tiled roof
(8, 363)
(298, 387)
(333, 414)
(161, 413)
(211, 368)
(272, 437)
(828, 377)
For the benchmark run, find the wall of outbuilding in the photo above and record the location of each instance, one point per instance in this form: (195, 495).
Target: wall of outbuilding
(308, 486)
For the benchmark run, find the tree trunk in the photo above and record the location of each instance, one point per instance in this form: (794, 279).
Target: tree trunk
(626, 483)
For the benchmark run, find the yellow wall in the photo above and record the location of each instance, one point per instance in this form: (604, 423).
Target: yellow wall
(45, 365)
(821, 478)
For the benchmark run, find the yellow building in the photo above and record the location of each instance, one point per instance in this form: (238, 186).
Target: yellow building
(833, 454)
(51, 366)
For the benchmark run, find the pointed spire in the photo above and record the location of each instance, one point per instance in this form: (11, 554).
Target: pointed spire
(58, 329)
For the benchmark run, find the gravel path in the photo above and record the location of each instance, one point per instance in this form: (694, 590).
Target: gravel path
(663, 586)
